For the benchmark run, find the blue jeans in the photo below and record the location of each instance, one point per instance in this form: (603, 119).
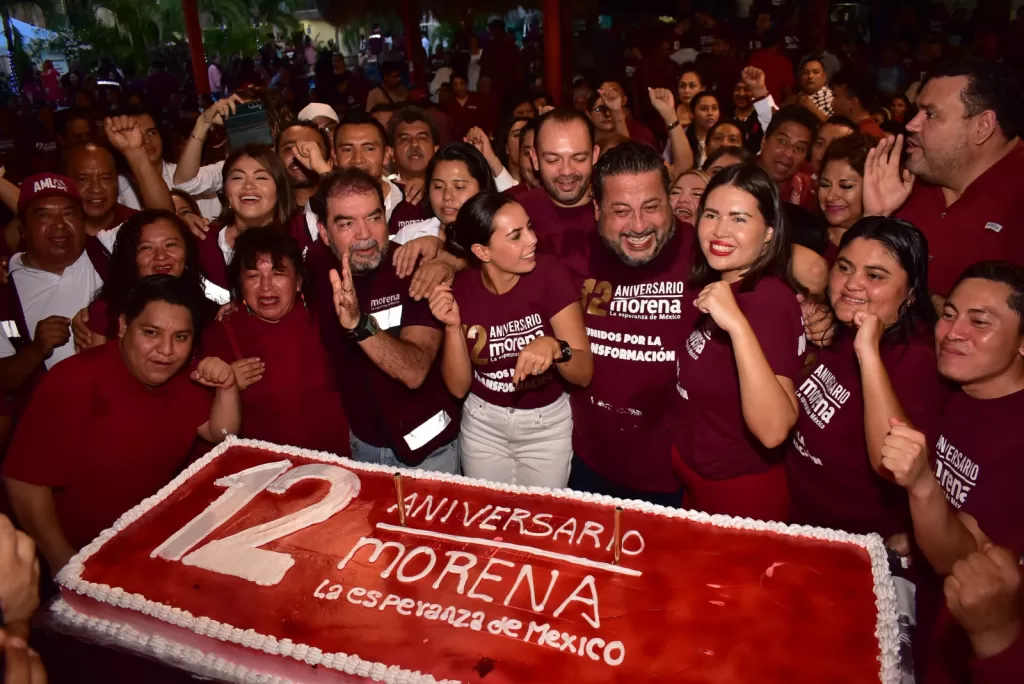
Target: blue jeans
(444, 460)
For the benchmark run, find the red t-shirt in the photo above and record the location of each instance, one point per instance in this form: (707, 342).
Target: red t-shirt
(778, 72)
(562, 232)
(497, 327)
(870, 128)
(800, 190)
(381, 411)
(634, 319)
(831, 481)
(296, 402)
(987, 222)
(705, 417)
(979, 462)
(102, 440)
(407, 212)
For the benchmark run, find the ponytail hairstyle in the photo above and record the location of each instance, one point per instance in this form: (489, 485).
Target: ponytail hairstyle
(475, 224)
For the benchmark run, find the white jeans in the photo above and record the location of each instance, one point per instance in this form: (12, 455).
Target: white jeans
(530, 447)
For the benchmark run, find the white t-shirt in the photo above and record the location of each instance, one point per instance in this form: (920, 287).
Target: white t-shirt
(45, 294)
(209, 208)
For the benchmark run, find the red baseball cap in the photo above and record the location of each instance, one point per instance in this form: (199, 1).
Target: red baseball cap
(46, 185)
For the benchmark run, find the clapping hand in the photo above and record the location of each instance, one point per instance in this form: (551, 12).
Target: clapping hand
(819, 323)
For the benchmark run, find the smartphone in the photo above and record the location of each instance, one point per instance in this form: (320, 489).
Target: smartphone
(249, 124)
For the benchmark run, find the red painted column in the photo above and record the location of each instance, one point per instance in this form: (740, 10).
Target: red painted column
(194, 32)
(411, 21)
(553, 49)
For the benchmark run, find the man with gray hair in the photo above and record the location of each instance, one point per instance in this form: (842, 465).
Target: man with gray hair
(383, 344)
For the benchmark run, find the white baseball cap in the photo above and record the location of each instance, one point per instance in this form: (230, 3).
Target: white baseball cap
(315, 109)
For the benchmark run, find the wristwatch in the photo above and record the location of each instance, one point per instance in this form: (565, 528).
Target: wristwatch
(672, 125)
(566, 351)
(366, 328)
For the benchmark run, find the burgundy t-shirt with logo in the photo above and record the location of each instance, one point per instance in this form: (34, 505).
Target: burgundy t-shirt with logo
(498, 327)
(562, 232)
(831, 481)
(705, 416)
(634, 320)
(986, 222)
(406, 212)
(979, 463)
(381, 411)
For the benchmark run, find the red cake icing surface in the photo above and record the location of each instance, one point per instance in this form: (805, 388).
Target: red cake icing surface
(712, 604)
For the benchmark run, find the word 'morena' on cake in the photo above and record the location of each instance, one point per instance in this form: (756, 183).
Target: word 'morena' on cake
(258, 551)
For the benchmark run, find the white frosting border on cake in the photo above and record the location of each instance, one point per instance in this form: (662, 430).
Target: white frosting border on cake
(886, 630)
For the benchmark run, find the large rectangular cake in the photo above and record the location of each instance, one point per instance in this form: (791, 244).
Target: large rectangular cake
(274, 564)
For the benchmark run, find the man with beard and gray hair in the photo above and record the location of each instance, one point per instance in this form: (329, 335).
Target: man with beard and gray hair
(965, 152)
(383, 345)
(636, 266)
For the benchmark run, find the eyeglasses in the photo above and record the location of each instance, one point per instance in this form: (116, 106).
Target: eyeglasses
(602, 110)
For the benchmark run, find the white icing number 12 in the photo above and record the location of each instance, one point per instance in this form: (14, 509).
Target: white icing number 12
(239, 555)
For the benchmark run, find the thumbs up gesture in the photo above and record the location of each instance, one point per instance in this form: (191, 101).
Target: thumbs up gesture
(905, 455)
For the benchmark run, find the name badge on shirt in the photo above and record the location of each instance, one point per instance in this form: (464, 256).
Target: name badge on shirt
(389, 318)
(993, 226)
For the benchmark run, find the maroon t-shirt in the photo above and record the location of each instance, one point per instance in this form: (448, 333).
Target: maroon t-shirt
(979, 463)
(634, 317)
(987, 222)
(638, 132)
(474, 112)
(407, 212)
(115, 444)
(705, 417)
(296, 402)
(562, 232)
(381, 410)
(498, 327)
(831, 481)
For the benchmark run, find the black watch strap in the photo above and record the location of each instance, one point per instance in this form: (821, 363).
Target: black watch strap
(566, 351)
(366, 328)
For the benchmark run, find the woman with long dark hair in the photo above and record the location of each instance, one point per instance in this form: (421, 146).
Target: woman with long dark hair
(879, 371)
(706, 113)
(509, 321)
(152, 242)
(737, 371)
(273, 344)
(456, 172)
(257, 193)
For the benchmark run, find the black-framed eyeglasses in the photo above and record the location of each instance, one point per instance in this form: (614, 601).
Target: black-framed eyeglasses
(600, 109)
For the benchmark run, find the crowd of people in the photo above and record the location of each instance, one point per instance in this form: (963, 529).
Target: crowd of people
(746, 288)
